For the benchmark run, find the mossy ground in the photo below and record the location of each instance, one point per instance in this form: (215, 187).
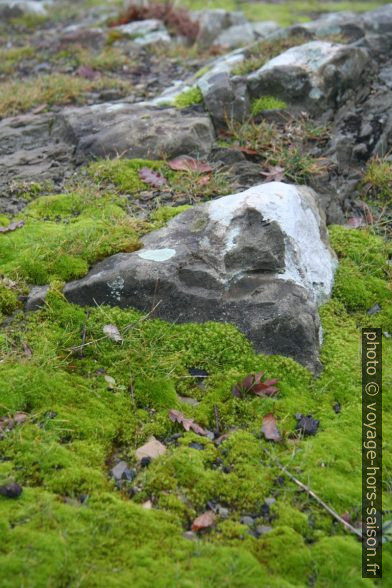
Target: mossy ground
(72, 527)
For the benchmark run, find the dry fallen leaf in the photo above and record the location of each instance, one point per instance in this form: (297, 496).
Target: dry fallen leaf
(245, 150)
(189, 164)
(12, 227)
(189, 424)
(153, 448)
(269, 428)
(274, 174)
(252, 384)
(204, 521)
(112, 332)
(8, 423)
(152, 178)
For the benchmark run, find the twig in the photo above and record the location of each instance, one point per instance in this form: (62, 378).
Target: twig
(217, 424)
(84, 331)
(310, 492)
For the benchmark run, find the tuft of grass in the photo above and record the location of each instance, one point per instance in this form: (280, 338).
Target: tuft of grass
(189, 185)
(188, 98)
(377, 180)
(10, 58)
(266, 103)
(59, 89)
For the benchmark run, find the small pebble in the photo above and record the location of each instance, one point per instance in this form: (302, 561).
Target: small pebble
(12, 490)
(247, 520)
(263, 529)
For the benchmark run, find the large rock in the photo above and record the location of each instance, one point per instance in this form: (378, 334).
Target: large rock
(378, 21)
(224, 98)
(28, 152)
(14, 8)
(134, 130)
(213, 22)
(259, 259)
(313, 75)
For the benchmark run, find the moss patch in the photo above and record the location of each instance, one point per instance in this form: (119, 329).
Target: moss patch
(266, 103)
(70, 515)
(188, 98)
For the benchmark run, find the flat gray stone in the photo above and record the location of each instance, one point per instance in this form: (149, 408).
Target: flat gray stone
(134, 130)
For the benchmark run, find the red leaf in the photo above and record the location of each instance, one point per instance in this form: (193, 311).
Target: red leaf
(189, 424)
(189, 164)
(252, 384)
(269, 428)
(204, 521)
(148, 176)
(12, 227)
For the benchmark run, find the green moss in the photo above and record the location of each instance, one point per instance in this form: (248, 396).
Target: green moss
(123, 173)
(188, 98)
(163, 214)
(10, 58)
(90, 228)
(155, 394)
(8, 300)
(71, 526)
(378, 180)
(266, 103)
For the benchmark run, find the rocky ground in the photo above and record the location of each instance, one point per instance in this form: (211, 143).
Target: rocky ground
(195, 224)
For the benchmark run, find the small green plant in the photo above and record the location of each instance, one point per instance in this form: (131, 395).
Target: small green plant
(124, 173)
(266, 103)
(188, 98)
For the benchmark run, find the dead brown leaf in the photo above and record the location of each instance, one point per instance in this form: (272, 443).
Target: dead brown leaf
(269, 428)
(274, 174)
(252, 384)
(189, 164)
(189, 424)
(152, 178)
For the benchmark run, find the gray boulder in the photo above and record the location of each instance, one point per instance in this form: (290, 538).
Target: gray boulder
(378, 21)
(213, 22)
(225, 98)
(236, 36)
(265, 28)
(313, 75)
(28, 151)
(259, 259)
(134, 130)
(14, 8)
